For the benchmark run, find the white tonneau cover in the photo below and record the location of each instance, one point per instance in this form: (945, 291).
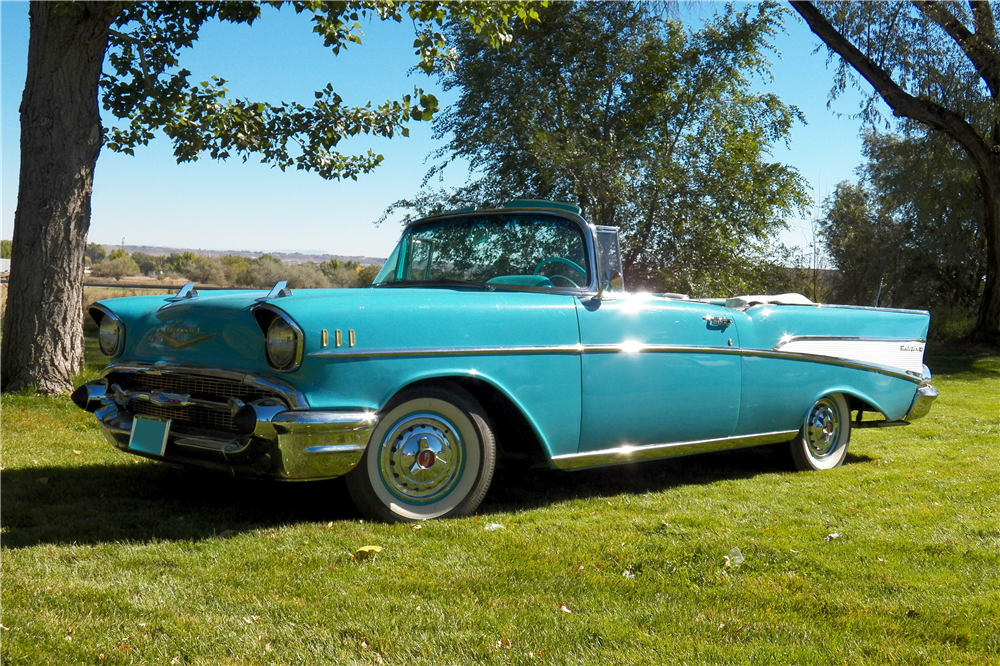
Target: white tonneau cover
(743, 302)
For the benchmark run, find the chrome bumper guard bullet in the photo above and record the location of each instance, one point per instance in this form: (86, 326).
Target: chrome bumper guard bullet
(273, 440)
(922, 402)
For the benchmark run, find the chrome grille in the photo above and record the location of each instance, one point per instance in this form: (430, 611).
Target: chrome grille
(204, 388)
(197, 387)
(204, 418)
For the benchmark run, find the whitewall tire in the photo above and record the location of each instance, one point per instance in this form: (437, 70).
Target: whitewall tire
(826, 431)
(432, 455)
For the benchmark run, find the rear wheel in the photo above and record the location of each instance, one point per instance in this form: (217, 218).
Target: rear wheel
(826, 431)
(431, 456)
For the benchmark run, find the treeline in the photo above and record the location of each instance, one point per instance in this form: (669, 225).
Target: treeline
(229, 270)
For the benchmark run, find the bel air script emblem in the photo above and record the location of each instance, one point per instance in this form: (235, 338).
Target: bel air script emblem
(179, 338)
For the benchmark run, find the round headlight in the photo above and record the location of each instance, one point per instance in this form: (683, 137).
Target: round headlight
(282, 343)
(109, 336)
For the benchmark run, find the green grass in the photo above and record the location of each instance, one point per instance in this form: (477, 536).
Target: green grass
(108, 559)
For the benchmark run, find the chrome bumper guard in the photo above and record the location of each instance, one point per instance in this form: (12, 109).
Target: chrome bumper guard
(922, 402)
(274, 440)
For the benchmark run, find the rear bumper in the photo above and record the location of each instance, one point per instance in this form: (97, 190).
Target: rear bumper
(274, 441)
(922, 402)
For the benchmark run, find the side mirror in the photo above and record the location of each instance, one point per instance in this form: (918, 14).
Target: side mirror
(611, 282)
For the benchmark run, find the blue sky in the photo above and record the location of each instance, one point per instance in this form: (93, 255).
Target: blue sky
(151, 200)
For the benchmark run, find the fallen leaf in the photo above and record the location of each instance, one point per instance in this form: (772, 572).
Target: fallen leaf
(564, 608)
(367, 553)
(416, 526)
(506, 643)
(881, 560)
(831, 537)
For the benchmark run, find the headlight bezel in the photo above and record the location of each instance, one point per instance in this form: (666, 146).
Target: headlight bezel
(268, 317)
(102, 316)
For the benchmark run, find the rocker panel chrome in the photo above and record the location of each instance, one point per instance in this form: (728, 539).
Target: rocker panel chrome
(628, 454)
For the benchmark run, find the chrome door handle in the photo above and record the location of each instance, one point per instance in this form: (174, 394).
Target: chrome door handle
(723, 322)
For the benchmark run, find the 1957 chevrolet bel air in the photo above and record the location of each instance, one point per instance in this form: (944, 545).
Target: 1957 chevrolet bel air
(491, 334)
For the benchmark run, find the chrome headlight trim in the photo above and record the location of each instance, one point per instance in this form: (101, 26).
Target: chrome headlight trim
(265, 316)
(100, 314)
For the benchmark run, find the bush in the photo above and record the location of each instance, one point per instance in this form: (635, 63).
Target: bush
(117, 268)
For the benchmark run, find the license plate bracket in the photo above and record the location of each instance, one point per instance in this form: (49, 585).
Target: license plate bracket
(149, 435)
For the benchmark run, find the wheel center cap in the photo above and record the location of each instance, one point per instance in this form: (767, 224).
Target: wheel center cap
(425, 459)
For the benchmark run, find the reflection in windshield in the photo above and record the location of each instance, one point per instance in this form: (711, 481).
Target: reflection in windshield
(527, 250)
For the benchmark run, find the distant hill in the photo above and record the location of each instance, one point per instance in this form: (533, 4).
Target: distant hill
(286, 257)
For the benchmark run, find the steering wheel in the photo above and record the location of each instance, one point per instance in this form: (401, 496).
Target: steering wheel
(566, 262)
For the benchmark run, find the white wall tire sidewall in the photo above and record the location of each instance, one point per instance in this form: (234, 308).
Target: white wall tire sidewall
(836, 458)
(464, 486)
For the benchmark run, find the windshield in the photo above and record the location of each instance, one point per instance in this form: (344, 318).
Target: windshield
(523, 249)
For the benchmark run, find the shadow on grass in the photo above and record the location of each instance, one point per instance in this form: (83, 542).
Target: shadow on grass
(514, 490)
(107, 503)
(147, 502)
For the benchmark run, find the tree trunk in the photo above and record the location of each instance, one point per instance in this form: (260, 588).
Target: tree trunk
(987, 330)
(60, 141)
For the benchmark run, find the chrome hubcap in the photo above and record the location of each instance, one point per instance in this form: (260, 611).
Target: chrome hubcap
(420, 458)
(823, 429)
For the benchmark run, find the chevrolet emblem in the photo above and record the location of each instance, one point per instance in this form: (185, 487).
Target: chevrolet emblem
(181, 344)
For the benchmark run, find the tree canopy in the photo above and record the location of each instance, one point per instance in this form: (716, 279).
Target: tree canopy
(937, 66)
(646, 125)
(127, 57)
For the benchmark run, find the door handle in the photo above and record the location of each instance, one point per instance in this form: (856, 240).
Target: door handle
(723, 322)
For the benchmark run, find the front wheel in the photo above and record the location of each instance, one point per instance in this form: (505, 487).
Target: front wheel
(431, 456)
(826, 431)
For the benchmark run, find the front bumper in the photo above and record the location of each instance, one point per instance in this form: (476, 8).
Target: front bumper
(275, 441)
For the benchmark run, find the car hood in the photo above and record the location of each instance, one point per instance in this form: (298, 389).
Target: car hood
(218, 328)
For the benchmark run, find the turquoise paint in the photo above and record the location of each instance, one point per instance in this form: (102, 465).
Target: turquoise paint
(575, 402)
(654, 398)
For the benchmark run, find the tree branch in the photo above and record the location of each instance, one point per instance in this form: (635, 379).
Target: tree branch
(903, 104)
(977, 46)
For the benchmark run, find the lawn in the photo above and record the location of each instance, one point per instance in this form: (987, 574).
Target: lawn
(892, 558)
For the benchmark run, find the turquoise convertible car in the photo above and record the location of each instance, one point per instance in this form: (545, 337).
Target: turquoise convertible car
(491, 335)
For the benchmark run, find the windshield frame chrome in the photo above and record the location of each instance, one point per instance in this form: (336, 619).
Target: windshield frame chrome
(589, 232)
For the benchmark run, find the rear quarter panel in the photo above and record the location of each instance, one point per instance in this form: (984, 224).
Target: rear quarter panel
(778, 391)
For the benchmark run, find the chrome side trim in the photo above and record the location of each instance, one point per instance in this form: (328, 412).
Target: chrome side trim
(832, 360)
(623, 348)
(870, 307)
(820, 338)
(450, 351)
(295, 398)
(627, 454)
